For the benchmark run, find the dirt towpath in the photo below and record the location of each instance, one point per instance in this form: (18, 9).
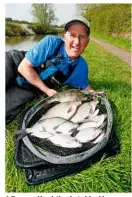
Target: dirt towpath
(121, 53)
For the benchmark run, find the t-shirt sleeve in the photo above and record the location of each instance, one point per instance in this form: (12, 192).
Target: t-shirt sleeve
(79, 77)
(43, 50)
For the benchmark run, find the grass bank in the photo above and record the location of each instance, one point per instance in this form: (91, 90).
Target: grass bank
(106, 73)
(123, 43)
(21, 29)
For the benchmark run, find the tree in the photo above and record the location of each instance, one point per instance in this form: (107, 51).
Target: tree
(82, 8)
(8, 19)
(44, 15)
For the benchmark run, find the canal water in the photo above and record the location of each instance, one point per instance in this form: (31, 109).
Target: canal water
(22, 42)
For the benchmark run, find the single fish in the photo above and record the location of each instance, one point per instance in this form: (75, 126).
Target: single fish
(87, 134)
(64, 110)
(39, 132)
(94, 121)
(67, 128)
(68, 95)
(43, 128)
(65, 141)
(84, 111)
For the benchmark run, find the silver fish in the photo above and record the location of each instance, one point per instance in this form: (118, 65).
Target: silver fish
(87, 134)
(84, 111)
(67, 128)
(64, 110)
(94, 121)
(65, 141)
(43, 128)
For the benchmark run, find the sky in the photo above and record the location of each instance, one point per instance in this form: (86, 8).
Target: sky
(22, 11)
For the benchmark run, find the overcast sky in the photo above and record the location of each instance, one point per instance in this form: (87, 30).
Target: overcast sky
(23, 12)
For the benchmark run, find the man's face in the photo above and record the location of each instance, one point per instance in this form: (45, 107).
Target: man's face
(76, 40)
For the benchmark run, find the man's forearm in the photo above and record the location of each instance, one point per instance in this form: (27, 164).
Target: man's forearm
(30, 74)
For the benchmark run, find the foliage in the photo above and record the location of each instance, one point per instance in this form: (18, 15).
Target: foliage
(38, 29)
(82, 8)
(110, 19)
(9, 20)
(14, 29)
(44, 16)
(16, 21)
(112, 174)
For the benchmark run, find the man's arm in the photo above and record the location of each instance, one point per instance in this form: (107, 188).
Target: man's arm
(25, 68)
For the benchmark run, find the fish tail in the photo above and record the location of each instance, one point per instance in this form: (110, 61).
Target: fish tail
(19, 132)
(21, 136)
(103, 125)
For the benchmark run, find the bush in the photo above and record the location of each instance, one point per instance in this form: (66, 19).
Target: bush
(39, 30)
(36, 28)
(110, 19)
(13, 29)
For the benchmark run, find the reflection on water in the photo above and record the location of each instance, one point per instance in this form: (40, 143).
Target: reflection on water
(22, 42)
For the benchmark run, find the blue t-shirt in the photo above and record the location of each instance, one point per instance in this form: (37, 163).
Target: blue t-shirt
(45, 48)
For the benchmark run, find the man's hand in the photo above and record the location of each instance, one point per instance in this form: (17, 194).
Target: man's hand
(51, 92)
(89, 89)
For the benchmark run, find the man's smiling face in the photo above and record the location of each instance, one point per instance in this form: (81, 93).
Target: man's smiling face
(76, 40)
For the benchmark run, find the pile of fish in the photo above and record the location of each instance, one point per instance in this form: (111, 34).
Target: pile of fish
(71, 123)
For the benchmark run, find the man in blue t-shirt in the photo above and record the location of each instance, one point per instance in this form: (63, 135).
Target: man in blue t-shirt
(50, 62)
(67, 66)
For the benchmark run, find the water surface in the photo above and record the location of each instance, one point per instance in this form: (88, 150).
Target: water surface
(22, 42)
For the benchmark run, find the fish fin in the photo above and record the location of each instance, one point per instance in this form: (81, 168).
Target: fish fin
(74, 133)
(58, 132)
(103, 125)
(21, 136)
(43, 129)
(72, 130)
(69, 110)
(86, 118)
(54, 128)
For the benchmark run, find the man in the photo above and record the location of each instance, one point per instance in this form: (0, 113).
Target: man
(76, 38)
(50, 62)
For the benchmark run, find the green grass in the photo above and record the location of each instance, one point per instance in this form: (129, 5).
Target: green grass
(106, 73)
(123, 43)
